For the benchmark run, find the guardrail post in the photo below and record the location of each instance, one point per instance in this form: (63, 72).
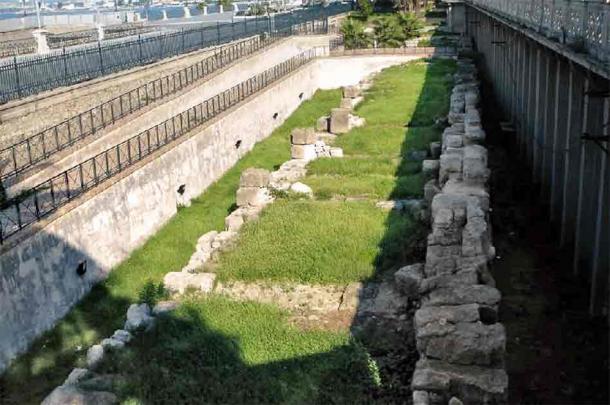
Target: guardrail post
(99, 49)
(140, 47)
(64, 58)
(17, 76)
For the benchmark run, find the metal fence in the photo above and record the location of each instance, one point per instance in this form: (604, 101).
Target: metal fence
(31, 74)
(584, 24)
(23, 155)
(43, 199)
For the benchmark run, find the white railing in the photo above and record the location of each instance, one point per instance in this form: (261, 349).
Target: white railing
(585, 25)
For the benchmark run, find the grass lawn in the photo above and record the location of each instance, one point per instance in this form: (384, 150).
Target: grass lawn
(400, 110)
(51, 357)
(316, 242)
(214, 350)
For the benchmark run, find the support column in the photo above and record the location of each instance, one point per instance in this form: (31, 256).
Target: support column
(602, 204)
(566, 165)
(536, 141)
(581, 179)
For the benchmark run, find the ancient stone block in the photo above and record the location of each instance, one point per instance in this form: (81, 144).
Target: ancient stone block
(351, 91)
(430, 190)
(474, 135)
(453, 141)
(450, 166)
(254, 196)
(95, 354)
(339, 121)
(475, 169)
(409, 278)
(252, 177)
(301, 188)
(468, 343)
(322, 124)
(305, 152)
(464, 294)
(435, 150)
(303, 136)
(446, 314)
(70, 394)
(346, 103)
(234, 221)
(336, 152)
(473, 384)
(180, 281)
(138, 317)
(430, 168)
(462, 277)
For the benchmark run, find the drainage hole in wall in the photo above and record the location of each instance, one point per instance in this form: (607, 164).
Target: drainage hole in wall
(181, 189)
(301, 96)
(238, 144)
(275, 115)
(81, 269)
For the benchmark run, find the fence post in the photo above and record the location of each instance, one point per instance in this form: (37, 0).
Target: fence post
(99, 49)
(17, 76)
(218, 32)
(65, 64)
(245, 26)
(233, 31)
(140, 47)
(182, 39)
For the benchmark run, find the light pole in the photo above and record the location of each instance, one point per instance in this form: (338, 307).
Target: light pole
(37, 13)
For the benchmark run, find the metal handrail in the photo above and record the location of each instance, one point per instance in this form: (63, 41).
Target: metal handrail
(30, 74)
(40, 201)
(24, 154)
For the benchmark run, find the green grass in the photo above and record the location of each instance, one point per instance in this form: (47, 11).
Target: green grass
(215, 350)
(52, 356)
(400, 111)
(315, 242)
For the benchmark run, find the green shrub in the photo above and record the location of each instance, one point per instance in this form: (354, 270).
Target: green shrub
(354, 35)
(410, 24)
(365, 7)
(151, 293)
(388, 34)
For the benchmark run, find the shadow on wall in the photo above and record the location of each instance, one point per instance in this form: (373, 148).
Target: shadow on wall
(24, 272)
(194, 354)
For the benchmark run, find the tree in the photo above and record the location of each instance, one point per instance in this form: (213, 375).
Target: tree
(366, 7)
(388, 33)
(225, 3)
(410, 24)
(201, 5)
(354, 35)
(407, 5)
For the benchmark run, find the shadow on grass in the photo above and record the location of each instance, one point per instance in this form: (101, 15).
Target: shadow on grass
(215, 351)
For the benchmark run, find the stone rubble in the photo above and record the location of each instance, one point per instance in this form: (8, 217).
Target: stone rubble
(460, 342)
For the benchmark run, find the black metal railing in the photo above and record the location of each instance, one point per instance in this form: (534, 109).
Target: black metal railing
(39, 147)
(38, 202)
(30, 74)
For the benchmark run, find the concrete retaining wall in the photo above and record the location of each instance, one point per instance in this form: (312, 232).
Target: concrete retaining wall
(38, 278)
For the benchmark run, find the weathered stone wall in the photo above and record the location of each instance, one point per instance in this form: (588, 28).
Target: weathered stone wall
(460, 341)
(39, 280)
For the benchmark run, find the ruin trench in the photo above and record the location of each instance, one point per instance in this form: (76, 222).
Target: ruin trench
(556, 353)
